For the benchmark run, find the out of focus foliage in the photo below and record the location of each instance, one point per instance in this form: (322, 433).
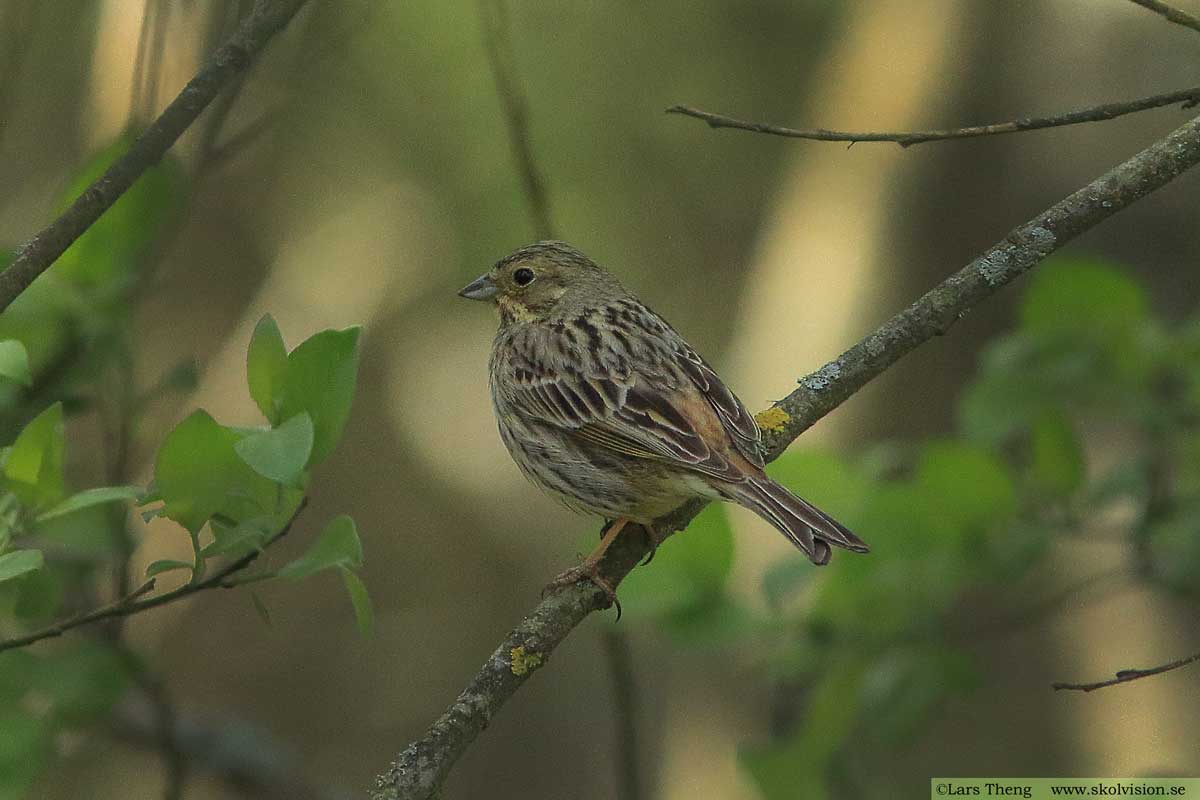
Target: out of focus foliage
(66, 349)
(867, 649)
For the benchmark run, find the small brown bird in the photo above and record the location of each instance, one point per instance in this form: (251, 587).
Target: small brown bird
(603, 404)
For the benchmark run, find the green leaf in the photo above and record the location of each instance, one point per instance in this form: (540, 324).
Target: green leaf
(39, 596)
(320, 379)
(18, 562)
(109, 252)
(243, 538)
(280, 453)
(705, 549)
(715, 621)
(337, 546)
(34, 467)
(259, 606)
(166, 565)
(25, 743)
(1056, 457)
(82, 682)
(971, 487)
(904, 687)
(16, 668)
(363, 614)
(14, 362)
(91, 497)
(183, 377)
(798, 766)
(198, 473)
(688, 568)
(266, 365)
(1091, 298)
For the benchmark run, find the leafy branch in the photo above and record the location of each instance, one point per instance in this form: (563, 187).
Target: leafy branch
(421, 768)
(245, 485)
(136, 601)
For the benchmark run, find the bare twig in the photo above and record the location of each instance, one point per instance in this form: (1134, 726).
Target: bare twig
(133, 604)
(1187, 98)
(1086, 589)
(165, 716)
(231, 60)
(249, 761)
(624, 688)
(1170, 12)
(157, 49)
(497, 42)
(421, 768)
(239, 142)
(1127, 675)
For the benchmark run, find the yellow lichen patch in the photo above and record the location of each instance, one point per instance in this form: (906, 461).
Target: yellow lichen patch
(523, 662)
(773, 419)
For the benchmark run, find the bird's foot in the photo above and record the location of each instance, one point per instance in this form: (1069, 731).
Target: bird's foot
(655, 540)
(587, 571)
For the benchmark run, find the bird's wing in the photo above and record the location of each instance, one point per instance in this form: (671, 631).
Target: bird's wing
(737, 421)
(678, 412)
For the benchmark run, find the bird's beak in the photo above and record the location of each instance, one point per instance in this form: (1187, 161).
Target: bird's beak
(482, 288)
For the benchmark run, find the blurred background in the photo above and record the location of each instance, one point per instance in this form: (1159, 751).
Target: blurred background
(1008, 475)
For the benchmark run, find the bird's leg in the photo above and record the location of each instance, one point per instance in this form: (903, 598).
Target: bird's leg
(589, 569)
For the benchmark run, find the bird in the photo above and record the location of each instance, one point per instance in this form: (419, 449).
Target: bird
(601, 403)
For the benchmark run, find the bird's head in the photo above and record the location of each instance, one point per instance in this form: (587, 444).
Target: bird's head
(543, 281)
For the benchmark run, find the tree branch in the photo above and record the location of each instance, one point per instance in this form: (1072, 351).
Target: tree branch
(1171, 13)
(624, 701)
(250, 762)
(496, 41)
(232, 59)
(132, 604)
(1187, 97)
(421, 768)
(1127, 675)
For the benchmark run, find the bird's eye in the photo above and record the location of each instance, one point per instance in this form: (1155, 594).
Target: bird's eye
(523, 276)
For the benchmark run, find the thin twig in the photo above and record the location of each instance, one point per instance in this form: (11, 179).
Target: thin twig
(1086, 589)
(158, 47)
(624, 693)
(240, 141)
(231, 60)
(421, 768)
(249, 761)
(1187, 97)
(498, 44)
(1127, 675)
(131, 604)
(165, 717)
(136, 103)
(1170, 12)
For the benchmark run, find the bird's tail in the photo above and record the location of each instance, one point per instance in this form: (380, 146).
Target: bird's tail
(805, 525)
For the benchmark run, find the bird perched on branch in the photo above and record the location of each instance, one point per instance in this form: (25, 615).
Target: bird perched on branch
(603, 404)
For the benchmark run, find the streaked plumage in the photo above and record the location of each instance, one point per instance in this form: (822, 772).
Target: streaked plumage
(604, 405)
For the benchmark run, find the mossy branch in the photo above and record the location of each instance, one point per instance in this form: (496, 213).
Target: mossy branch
(230, 61)
(420, 769)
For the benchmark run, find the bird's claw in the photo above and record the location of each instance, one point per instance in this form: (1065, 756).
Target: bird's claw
(585, 572)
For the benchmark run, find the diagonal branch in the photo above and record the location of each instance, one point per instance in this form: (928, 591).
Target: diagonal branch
(133, 603)
(231, 60)
(1186, 97)
(1127, 675)
(497, 42)
(421, 768)
(1173, 14)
